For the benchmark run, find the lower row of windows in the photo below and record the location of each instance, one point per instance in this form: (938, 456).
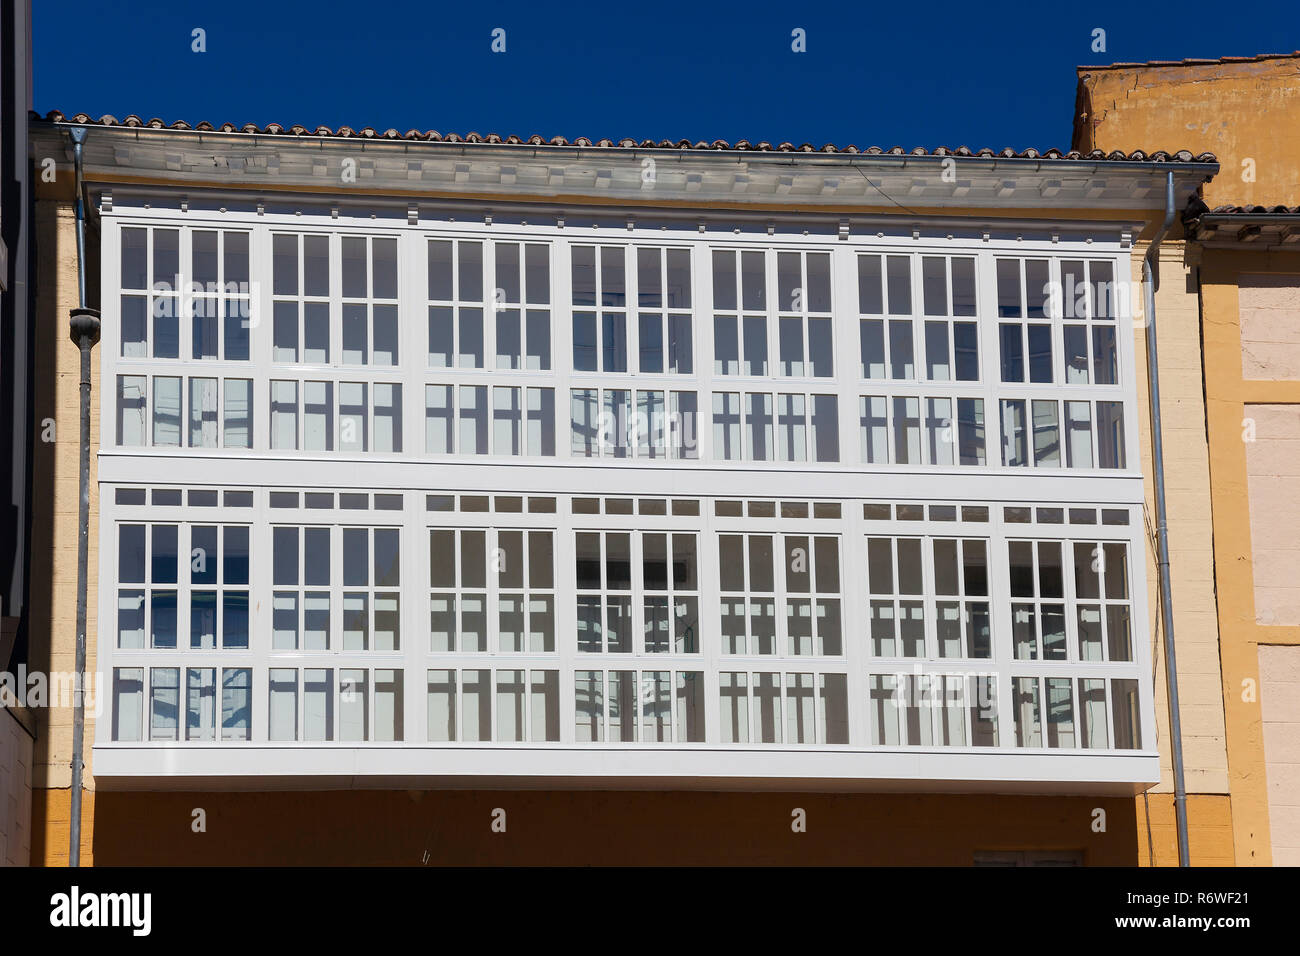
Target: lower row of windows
(472, 705)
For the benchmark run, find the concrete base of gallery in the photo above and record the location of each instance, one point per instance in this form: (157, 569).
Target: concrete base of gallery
(385, 827)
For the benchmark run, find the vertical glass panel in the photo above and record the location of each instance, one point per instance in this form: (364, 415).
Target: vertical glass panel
(726, 346)
(886, 711)
(441, 336)
(726, 426)
(537, 273)
(870, 288)
(236, 326)
(1060, 713)
(507, 421)
(1014, 439)
(544, 705)
(1074, 290)
(388, 704)
(966, 350)
(469, 351)
(678, 295)
(135, 327)
(589, 706)
(1104, 355)
(790, 293)
(384, 352)
(1024, 694)
(871, 334)
(1040, 353)
(1009, 301)
(758, 427)
(1110, 435)
(939, 431)
(166, 411)
(318, 416)
(938, 366)
(649, 280)
(134, 252)
(537, 355)
(1047, 437)
(283, 703)
(284, 415)
(963, 287)
(753, 280)
(901, 361)
(934, 285)
(681, 353)
(469, 272)
(541, 422)
(201, 703)
(907, 431)
(164, 703)
(1078, 419)
(583, 282)
(354, 710)
(353, 417)
(131, 410)
(613, 290)
(724, 280)
(1013, 356)
(873, 429)
(755, 345)
(650, 341)
(899, 281)
(1076, 354)
(318, 704)
(817, 294)
(1125, 714)
(355, 285)
(473, 420)
(826, 428)
(236, 703)
(767, 708)
(203, 413)
(1037, 290)
(441, 701)
(790, 345)
(316, 265)
(284, 343)
(613, 341)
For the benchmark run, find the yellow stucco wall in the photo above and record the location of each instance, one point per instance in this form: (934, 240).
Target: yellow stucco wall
(1191, 558)
(1248, 114)
(1238, 111)
(1230, 397)
(55, 467)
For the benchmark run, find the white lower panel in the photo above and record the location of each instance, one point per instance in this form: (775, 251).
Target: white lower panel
(155, 767)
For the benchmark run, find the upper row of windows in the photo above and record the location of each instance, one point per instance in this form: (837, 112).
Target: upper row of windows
(339, 300)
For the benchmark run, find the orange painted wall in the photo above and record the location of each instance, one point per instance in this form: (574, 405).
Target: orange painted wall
(1238, 111)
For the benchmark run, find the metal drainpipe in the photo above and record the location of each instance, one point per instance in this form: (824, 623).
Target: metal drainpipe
(83, 327)
(1149, 281)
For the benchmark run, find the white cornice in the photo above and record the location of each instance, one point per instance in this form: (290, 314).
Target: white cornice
(912, 184)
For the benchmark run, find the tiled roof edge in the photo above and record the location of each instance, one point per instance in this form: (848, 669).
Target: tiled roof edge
(133, 121)
(1157, 64)
(1253, 211)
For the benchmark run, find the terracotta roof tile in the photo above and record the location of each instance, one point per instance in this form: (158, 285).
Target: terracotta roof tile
(1254, 211)
(433, 136)
(1189, 62)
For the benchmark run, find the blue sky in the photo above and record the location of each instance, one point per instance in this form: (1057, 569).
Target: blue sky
(917, 73)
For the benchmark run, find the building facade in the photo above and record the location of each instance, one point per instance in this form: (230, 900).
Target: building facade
(17, 430)
(1234, 274)
(703, 486)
